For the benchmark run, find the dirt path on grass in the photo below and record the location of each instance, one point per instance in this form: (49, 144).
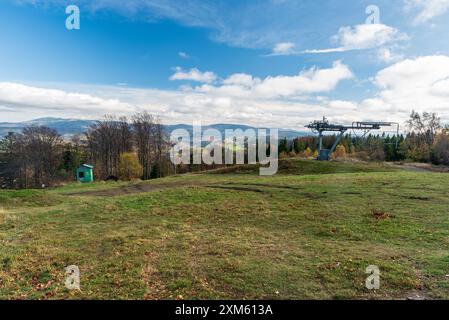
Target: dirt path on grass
(421, 167)
(147, 187)
(134, 189)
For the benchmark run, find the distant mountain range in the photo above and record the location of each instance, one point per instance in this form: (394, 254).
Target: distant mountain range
(65, 127)
(70, 127)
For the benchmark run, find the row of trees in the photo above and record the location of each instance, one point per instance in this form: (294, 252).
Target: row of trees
(426, 141)
(110, 139)
(371, 147)
(31, 158)
(122, 148)
(119, 148)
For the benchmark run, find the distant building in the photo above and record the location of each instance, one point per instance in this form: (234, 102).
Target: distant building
(85, 173)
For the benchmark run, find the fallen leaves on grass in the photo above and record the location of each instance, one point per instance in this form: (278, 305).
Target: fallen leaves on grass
(2, 215)
(155, 286)
(381, 215)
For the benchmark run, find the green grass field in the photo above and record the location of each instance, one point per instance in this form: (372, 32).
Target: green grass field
(307, 233)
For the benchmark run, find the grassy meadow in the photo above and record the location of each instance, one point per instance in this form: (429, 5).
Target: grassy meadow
(307, 233)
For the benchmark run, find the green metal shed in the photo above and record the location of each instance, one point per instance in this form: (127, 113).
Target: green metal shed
(85, 173)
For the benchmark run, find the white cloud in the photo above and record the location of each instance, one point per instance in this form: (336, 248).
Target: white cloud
(306, 82)
(240, 79)
(441, 87)
(22, 97)
(429, 9)
(363, 36)
(310, 81)
(343, 106)
(411, 74)
(420, 84)
(183, 55)
(194, 75)
(283, 48)
(387, 55)
(241, 98)
(276, 101)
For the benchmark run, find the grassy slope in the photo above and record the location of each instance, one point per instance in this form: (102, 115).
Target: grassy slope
(233, 236)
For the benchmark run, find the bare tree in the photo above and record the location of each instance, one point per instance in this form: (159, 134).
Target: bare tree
(107, 140)
(8, 167)
(161, 145)
(440, 149)
(427, 125)
(36, 155)
(144, 128)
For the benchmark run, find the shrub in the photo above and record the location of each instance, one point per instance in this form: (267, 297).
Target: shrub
(377, 155)
(340, 152)
(362, 155)
(440, 149)
(129, 166)
(308, 152)
(283, 155)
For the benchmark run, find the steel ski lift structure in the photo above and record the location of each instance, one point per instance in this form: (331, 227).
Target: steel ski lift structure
(321, 126)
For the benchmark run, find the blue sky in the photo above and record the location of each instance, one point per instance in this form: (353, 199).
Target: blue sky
(260, 62)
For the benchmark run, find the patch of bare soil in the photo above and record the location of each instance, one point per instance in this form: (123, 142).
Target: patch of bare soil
(421, 167)
(380, 215)
(252, 187)
(418, 198)
(237, 188)
(267, 186)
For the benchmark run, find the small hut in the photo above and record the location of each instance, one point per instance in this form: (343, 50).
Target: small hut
(85, 173)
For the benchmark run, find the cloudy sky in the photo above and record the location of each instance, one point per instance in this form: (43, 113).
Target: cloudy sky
(275, 63)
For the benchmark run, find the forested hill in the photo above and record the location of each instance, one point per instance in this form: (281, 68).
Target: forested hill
(68, 127)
